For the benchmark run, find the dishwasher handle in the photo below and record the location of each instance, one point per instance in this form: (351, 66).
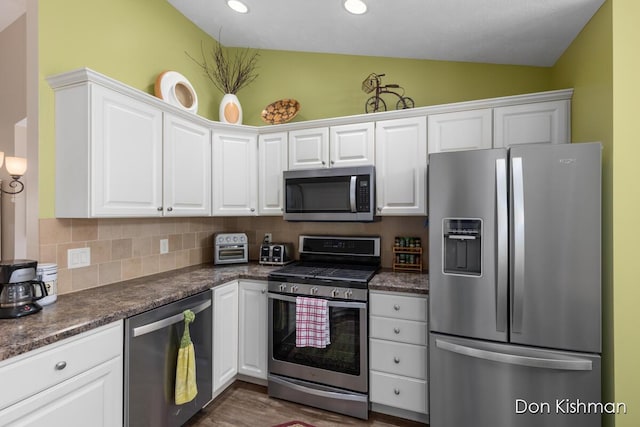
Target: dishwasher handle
(168, 321)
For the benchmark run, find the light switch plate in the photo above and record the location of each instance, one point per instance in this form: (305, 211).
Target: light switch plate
(80, 257)
(164, 246)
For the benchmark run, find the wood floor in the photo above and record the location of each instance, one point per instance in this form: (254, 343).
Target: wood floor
(245, 404)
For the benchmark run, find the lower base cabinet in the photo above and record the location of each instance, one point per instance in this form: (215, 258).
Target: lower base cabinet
(252, 328)
(398, 357)
(225, 335)
(74, 382)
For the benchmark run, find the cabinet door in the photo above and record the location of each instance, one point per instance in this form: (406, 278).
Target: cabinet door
(309, 148)
(225, 334)
(401, 166)
(234, 173)
(352, 145)
(252, 345)
(187, 168)
(460, 130)
(272, 161)
(93, 397)
(532, 123)
(126, 156)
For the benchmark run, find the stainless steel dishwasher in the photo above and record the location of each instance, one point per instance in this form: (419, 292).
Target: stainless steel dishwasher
(152, 340)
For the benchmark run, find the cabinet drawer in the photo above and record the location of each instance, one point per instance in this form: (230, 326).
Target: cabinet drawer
(398, 306)
(398, 358)
(399, 392)
(35, 371)
(407, 331)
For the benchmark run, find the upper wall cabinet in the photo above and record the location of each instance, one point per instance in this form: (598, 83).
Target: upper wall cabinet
(532, 123)
(459, 130)
(272, 161)
(235, 172)
(119, 156)
(401, 166)
(337, 146)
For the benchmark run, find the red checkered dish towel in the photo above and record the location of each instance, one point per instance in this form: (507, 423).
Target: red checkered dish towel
(312, 322)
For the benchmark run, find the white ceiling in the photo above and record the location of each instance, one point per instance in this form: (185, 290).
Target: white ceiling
(10, 10)
(523, 32)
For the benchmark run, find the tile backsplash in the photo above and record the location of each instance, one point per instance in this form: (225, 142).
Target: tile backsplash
(123, 249)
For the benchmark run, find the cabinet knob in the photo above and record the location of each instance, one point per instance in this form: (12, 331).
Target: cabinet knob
(396, 359)
(263, 291)
(333, 162)
(324, 163)
(159, 208)
(169, 209)
(396, 391)
(60, 366)
(396, 307)
(252, 209)
(396, 330)
(379, 209)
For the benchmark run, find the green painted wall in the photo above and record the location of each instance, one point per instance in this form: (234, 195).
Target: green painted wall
(587, 67)
(133, 41)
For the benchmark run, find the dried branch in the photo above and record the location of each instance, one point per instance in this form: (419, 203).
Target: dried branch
(228, 74)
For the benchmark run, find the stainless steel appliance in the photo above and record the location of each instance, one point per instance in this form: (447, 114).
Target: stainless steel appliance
(19, 289)
(335, 378)
(333, 194)
(276, 253)
(152, 340)
(514, 286)
(231, 248)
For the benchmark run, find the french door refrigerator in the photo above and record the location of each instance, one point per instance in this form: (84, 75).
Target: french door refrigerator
(514, 286)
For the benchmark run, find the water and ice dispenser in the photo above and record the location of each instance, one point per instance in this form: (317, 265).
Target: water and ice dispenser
(462, 245)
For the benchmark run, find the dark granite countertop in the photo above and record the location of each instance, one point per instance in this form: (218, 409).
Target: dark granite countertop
(81, 311)
(388, 280)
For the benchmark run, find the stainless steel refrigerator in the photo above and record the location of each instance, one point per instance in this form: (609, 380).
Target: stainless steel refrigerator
(514, 286)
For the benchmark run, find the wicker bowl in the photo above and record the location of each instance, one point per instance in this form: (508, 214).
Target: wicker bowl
(280, 111)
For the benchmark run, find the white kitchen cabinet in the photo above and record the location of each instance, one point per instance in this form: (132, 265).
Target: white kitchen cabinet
(352, 145)
(309, 148)
(460, 130)
(225, 335)
(187, 167)
(253, 330)
(272, 162)
(235, 173)
(401, 166)
(537, 122)
(66, 383)
(398, 356)
(336, 146)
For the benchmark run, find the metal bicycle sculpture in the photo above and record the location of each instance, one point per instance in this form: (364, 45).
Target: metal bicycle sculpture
(376, 103)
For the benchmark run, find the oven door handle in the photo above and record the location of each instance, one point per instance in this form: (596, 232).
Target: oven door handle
(331, 303)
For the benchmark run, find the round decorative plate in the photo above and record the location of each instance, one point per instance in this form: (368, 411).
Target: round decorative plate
(280, 111)
(174, 88)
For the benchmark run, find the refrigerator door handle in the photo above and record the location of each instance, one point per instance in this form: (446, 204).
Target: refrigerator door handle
(502, 239)
(566, 364)
(518, 245)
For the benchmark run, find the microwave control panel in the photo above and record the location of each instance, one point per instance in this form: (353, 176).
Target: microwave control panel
(363, 195)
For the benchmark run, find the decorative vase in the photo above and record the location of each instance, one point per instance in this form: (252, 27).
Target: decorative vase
(230, 109)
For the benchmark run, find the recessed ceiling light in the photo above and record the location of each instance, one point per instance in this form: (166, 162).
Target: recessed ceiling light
(238, 6)
(357, 7)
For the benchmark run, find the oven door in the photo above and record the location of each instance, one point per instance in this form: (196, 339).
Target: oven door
(342, 364)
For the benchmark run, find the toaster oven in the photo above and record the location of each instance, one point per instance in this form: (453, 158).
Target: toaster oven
(231, 248)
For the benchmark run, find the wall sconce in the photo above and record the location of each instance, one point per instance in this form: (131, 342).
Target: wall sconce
(16, 166)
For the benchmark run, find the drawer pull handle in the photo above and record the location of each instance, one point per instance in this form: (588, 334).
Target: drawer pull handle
(396, 330)
(396, 391)
(396, 359)
(60, 366)
(396, 307)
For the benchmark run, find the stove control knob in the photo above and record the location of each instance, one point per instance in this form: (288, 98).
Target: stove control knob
(283, 287)
(314, 290)
(294, 288)
(348, 293)
(335, 292)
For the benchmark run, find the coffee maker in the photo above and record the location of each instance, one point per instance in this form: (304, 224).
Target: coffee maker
(19, 288)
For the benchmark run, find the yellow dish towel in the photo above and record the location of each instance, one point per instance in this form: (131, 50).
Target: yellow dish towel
(186, 387)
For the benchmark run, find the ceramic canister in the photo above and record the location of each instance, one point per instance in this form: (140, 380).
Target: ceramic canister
(48, 273)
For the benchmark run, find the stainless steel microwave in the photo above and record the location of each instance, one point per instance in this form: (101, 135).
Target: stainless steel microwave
(334, 194)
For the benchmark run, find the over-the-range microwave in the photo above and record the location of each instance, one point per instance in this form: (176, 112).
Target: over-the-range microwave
(333, 194)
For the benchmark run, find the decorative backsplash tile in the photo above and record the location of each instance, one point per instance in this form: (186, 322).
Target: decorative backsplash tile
(123, 249)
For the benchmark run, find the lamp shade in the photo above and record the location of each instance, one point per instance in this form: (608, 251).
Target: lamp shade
(16, 166)
(1, 158)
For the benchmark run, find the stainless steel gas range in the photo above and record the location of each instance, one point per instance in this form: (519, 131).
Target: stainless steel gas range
(333, 376)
